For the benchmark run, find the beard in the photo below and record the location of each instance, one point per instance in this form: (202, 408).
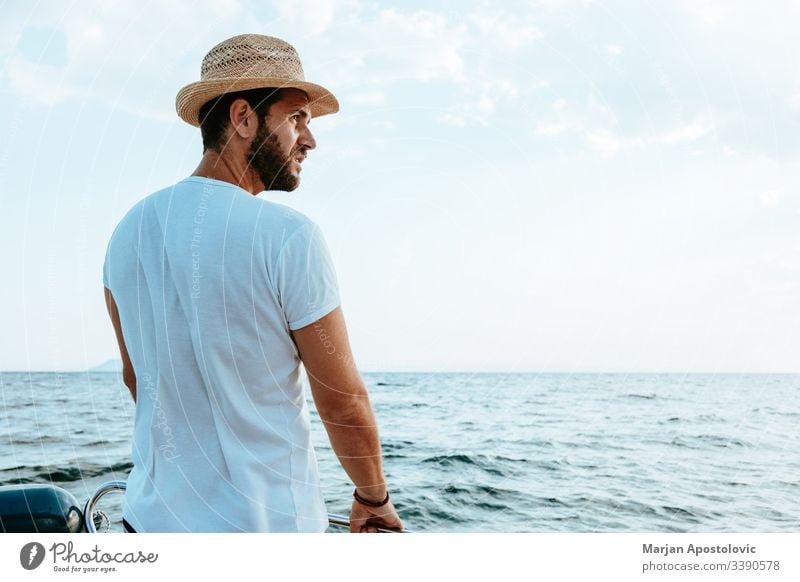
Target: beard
(270, 163)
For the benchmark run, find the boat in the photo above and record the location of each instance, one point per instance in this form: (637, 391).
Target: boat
(43, 508)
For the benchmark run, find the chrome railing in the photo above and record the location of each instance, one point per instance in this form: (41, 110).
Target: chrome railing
(102, 491)
(343, 521)
(89, 514)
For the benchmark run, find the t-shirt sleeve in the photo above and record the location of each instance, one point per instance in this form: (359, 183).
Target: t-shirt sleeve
(107, 267)
(105, 277)
(306, 279)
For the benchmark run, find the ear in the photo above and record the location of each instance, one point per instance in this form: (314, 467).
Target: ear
(243, 119)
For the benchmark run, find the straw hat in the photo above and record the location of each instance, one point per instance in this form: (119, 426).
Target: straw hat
(250, 61)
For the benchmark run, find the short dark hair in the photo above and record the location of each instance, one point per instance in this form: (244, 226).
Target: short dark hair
(215, 114)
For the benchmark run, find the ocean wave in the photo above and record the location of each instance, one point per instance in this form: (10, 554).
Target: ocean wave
(721, 441)
(40, 440)
(684, 515)
(703, 441)
(498, 465)
(66, 474)
(392, 445)
(100, 443)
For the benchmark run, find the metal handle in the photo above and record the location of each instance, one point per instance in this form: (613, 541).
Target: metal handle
(102, 491)
(106, 488)
(343, 521)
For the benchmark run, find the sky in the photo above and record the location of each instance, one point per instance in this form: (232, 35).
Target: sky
(561, 185)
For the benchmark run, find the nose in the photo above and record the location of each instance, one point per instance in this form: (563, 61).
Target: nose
(306, 139)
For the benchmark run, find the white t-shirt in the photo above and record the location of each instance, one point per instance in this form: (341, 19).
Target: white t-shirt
(209, 280)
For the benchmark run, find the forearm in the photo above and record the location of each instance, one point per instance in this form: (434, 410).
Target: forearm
(128, 373)
(353, 433)
(342, 401)
(129, 379)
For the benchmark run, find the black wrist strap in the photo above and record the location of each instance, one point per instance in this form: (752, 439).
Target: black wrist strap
(369, 503)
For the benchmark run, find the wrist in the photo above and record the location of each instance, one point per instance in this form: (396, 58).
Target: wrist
(372, 492)
(371, 500)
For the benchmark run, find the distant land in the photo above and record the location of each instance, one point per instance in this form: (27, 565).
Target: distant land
(108, 366)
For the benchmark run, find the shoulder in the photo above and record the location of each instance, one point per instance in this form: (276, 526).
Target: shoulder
(284, 222)
(128, 228)
(130, 220)
(285, 214)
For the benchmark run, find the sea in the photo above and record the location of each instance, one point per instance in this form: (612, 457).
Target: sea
(488, 452)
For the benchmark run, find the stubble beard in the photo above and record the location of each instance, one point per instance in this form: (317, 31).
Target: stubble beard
(270, 163)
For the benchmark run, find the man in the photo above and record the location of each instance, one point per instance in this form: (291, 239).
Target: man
(216, 297)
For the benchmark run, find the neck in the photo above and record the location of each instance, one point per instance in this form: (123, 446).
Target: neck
(229, 168)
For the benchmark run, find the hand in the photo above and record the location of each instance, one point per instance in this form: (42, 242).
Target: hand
(365, 519)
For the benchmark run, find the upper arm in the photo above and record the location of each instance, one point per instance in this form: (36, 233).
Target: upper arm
(128, 374)
(324, 348)
(305, 278)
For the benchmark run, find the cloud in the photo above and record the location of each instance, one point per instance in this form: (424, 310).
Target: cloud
(609, 142)
(594, 119)
(793, 102)
(483, 107)
(117, 51)
(313, 17)
(771, 197)
(423, 45)
(686, 133)
(561, 4)
(370, 97)
(596, 125)
(40, 83)
(712, 12)
(503, 30)
(371, 51)
(136, 57)
(483, 62)
(384, 52)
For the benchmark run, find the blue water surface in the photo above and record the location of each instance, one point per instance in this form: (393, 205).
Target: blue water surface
(491, 452)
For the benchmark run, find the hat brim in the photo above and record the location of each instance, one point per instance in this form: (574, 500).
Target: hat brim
(192, 97)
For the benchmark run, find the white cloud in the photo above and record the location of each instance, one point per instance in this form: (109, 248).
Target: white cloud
(560, 4)
(117, 51)
(551, 129)
(468, 57)
(348, 152)
(370, 97)
(771, 197)
(691, 132)
(381, 48)
(482, 108)
(610, 142)
(714, 13)
(45, 84)
(136, 58)
(423, 45)
(501, 29)
(794, 102)
(594, 121)
(308, 17)
(596, 125)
